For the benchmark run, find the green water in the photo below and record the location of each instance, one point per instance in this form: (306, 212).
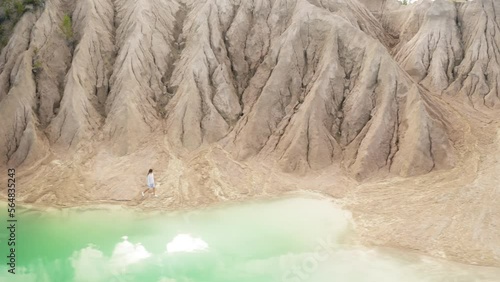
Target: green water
(288, 240)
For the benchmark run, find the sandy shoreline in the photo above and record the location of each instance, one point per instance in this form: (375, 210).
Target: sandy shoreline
(122, 205)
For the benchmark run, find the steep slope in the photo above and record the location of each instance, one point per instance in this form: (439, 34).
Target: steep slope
(359, 16)
(451, 47)
(20, 139)
(87, 81)
(432, 54)
(145, 39)
(254, 74)
(51, 61)
(478, 76)
(318, 97)
(205, 103)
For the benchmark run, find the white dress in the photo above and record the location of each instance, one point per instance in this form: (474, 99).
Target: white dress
(151, 181)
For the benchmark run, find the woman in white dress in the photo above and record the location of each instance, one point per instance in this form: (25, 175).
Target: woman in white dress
(151, 183)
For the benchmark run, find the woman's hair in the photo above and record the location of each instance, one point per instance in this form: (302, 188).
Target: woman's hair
(150, 171)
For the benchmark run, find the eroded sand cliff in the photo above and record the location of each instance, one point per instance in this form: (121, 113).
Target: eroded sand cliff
(393, 109)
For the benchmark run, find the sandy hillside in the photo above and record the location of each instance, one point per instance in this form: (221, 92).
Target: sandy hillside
(392, 109)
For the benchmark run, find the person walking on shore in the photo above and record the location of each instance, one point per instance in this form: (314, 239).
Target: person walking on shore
(151, 183)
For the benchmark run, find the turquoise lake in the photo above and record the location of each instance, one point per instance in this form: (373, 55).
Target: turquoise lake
(288, 240)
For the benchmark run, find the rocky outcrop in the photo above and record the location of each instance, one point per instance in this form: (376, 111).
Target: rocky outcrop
(85, 88)
(20, 138)
(306, 84)
(478, 75)
(449, 47)
(322, 97)
(145, 43)
(431, 55)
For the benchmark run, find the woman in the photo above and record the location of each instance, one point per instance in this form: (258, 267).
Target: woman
(151, 183)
